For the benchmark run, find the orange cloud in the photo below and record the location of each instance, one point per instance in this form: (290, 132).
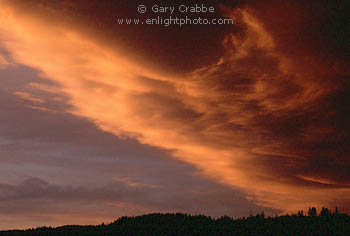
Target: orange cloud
(235, 120)
(29, 97)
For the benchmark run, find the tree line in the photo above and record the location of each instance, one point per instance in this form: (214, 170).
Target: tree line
(326, 223)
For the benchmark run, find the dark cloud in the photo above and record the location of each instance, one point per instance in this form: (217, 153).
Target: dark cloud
(35, 196)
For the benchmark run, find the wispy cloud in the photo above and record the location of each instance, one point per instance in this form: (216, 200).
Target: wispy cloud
(28, 97)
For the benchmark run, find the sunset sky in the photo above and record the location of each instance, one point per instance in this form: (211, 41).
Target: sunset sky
(99, 120)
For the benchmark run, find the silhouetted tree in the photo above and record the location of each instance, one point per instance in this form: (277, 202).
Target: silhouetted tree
(325, 212)
(336, 211)
(326, 224)
(312, 211)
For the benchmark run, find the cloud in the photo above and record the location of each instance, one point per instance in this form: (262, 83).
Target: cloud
(28, 97)
(268, 121)
(132, 183)
(37, 202)
(4, 62)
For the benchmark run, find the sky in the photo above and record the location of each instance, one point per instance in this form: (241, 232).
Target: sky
(100, 120)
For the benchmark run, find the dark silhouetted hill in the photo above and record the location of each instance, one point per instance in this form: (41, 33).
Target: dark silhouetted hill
(326, 223)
